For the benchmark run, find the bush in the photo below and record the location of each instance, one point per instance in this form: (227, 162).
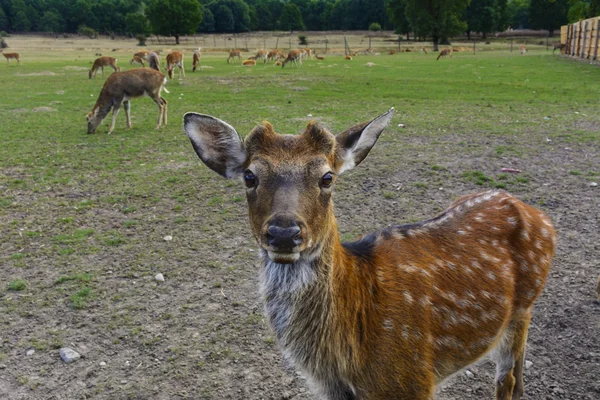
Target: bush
(141, 39)
(3, 44)
(302, 40)
(4, 34)
(375, 27)
(86, 31)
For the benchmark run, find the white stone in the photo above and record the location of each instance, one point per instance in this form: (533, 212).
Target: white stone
(469, 374)
(30, 352)
(168, 238)
(528, 364)
(69, 355)
(159, 277)
(102, 364)
(594, 184)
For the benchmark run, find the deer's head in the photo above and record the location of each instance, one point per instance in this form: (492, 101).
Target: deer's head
(93, 120)
(289, 179)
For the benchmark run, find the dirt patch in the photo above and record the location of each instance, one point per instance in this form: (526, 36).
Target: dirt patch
(44, 109)
(41, 73)
(75, 68)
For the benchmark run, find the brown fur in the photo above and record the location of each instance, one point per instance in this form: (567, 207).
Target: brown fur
(559, 46)
(523, 49)
(195, 60)
(175, 59)
(275, 55)
(137, 60)
(261, 55)
(120, 88)
(347, 58)
(249, 63)
(320, 58)
(234, 53)
(393, 314)
(102, 62)
(294, 56)
(444, 53)
(143, 54)
(13, 56)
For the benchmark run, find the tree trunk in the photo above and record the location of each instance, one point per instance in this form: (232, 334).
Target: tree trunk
(483, 35)
(551, 32)
(468, 35)
(176, 39)
(408, 36)
(435, 43)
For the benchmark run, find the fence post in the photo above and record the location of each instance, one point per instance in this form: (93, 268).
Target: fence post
(326, 43)
(511, 44)
(573, 39)
(568, 40)
(474, 42)
(547, 35)
(214, 41)
(277, 43)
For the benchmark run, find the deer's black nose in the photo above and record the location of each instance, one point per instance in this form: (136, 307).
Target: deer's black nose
(284, 238)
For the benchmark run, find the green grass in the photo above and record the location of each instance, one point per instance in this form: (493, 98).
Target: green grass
(17, 285)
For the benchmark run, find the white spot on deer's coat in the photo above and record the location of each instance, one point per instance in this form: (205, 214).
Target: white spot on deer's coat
(461, 232)
(491, 275)
(512, 220)
(545, 233)
(408, 297)
(525, 234)
(387, 325)
(538, 244)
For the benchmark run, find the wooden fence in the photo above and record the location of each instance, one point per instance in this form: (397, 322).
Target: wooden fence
(582, 39)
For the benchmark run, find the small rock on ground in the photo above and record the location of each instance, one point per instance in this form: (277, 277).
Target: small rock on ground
(30, 352)
(528, 364)
(69, 355)
(469, 374)
(159, 277)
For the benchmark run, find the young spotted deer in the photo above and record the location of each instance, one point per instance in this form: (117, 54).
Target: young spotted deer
(11, 56)
(175, 59)
(233, 54)
(444, 53)
(390, 315)
(120, 88)
(102, 62)
(196, 60)
(295, 57)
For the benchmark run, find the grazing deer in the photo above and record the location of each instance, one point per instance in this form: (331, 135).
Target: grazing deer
(295, 57)
(102, 62)
(120, 88)
(318, 57)
(523, 49)
(175, 59)
(275, 55)
(558, 46)
(423, 50)
(153, 61)
(196, 59)
(392, 314)
(233, 54)
(261, 55)
(13, 56)
(306, 53)
(137, 60)
(392, 52)
(249, 63)
(444, 53)
(143, 54)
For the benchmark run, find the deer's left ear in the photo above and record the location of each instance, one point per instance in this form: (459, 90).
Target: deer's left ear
(354, 144)
(217, 144)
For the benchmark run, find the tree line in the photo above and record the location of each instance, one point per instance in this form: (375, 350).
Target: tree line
(432, 19)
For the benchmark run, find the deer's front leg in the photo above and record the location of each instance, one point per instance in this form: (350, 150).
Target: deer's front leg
(127, 106)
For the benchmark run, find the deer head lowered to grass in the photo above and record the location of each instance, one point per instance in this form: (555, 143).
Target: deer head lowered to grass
(392, 314)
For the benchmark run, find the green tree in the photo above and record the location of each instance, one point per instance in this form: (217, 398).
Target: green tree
(19, 19)
(291, 18)
(438, 19)
(3, 21)
(518, 14)
(578, 9)
(396, 10)
(208, 20)
(548, 14)
(137, 24)
(481, 16)
(224, 19)
(239, 10)
(51, 22)
(174, 17)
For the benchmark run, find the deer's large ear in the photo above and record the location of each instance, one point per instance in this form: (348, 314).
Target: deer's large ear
(217, 144)
(354, 144)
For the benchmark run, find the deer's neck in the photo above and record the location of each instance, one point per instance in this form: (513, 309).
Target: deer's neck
(308, 304)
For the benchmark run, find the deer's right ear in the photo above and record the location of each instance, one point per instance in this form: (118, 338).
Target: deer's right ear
(217, 144)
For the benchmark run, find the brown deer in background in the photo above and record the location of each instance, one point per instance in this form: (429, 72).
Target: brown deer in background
(11, 56)
(175, 59)
(234, 53)
(196, 60)
(120, 88)
(445, 53)
(295, 57)
(275, 55)
(394, 313)
(102, 62)
(261, 55)
(558, 46)
(523, 49)
(137, 60)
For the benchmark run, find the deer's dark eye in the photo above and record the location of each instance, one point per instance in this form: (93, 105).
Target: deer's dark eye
(327, 180)
(249, 179)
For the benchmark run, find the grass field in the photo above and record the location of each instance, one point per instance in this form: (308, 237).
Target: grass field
(83, 218)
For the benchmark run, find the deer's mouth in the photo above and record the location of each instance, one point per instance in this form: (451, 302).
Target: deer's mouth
(283, 257)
